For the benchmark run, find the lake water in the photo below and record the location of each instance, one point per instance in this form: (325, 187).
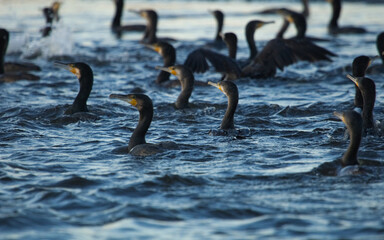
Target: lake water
(60, 180)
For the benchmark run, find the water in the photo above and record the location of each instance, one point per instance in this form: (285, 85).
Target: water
(60, 180)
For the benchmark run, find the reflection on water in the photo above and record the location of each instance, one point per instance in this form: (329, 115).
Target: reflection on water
(60, 178)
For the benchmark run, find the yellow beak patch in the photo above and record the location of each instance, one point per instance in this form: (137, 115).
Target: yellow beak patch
(133, 102)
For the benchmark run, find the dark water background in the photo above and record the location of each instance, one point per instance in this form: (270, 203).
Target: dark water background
(60, 180)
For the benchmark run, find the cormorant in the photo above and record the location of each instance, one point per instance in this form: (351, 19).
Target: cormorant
(150, 35)
(186, 79)
(144, 104)
(168, 52)
(85, 75)
(232, 93)
(10, 72)
(333, 26)
(359, 67)
(116, 22)
(280, 52)
(368, 91)
(218, 41)
(48, 14)
(354, 124)
(137, 144)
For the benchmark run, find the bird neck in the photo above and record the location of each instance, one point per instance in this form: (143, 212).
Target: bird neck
(220, 23)
(186, 80)
(80, 103)
(305, 8)
(350, 156)
(369, 103)
(232, 49)
(358, 102)
(118, 13)
(162, 77)
(151, 30)
(249, 35)
(169, 60)
(283, 29)
(228, 119)
(138, 135)
(301, 26)
(336, 9)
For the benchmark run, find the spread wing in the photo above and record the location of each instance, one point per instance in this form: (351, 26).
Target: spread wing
(198, 60)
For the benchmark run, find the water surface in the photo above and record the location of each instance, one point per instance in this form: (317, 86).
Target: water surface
(59, 178)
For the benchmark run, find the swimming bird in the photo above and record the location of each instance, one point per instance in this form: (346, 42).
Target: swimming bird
(218, 40)
(137, 145)
(368, 91)
(48, 14)
(150, 33)
(232, 93)
(10, 72)
(168, 52)
(279, 52)
(116, 21)
(354, 124)
(333, 26)
(359, 66)
(85, 75)
(186, 79)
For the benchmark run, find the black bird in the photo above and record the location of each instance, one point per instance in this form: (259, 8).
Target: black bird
(10, 72)
(186, 79)
(116, 22)
(333, 26)
(368, 91)
(85, 75)
(279, 52)
(359, 66)
(354, 124)
(144, 104)
(150, 33)
(232, 93)
(218, 40)
(137, 144)
(250, 30)
(168, 52)
(49, 15)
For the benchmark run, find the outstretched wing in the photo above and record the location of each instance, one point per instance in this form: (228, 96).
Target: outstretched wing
(197, 61)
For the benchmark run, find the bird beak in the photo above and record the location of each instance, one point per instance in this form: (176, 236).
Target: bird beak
(154, 47)
(171, 70)
(353, 79)
(289, 19)
(373, 59)
(70, 67)
(215, 85)
(126, 98)
(264, 23)
(134, 11)
(339, 115)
